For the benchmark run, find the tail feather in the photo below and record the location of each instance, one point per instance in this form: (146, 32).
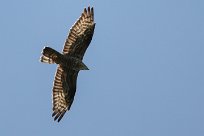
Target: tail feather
(50, 56)
(45, 59)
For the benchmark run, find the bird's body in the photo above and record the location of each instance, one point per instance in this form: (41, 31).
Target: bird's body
(69, 62)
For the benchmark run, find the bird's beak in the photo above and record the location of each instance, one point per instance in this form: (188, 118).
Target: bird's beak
(84, 67)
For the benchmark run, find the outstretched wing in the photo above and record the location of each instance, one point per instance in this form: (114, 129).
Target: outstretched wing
(63, 92)
(80, 35)
(78, 40)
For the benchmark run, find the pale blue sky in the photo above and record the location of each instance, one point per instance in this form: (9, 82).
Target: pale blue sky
(146, 64)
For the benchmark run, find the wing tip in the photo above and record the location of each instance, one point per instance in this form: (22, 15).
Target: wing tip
(58, 115)
(92, 10)
(85, 10)
(89, 9)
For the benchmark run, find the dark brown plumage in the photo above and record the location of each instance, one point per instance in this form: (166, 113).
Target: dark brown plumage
(69, 62)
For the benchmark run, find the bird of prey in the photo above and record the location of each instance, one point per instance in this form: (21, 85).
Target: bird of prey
(69, 62)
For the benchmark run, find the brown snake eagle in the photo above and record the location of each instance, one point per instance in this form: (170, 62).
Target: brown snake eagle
(69, 62)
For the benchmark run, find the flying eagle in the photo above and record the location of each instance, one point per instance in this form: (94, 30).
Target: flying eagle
(69, 62)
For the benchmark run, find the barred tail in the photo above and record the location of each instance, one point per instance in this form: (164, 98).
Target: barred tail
(50, 56)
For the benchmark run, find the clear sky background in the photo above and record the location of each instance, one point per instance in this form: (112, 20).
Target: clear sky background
(146, 64)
